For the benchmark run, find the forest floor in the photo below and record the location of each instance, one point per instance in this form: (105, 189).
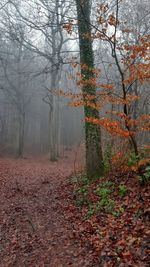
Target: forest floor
(41, 225)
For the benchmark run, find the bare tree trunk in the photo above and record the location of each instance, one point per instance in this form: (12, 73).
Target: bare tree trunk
(52, 133)
(58, 118)
(21, 135)
(52, 148)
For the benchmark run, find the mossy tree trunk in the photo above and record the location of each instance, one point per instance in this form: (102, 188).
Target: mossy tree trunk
(94, 161)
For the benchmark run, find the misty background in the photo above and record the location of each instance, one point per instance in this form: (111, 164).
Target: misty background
(37, 52)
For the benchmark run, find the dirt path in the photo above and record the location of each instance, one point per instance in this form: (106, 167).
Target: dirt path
(35, 229)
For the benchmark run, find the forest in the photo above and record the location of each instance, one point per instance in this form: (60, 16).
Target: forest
(74, 133)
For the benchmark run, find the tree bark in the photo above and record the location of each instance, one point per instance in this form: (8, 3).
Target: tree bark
(94, 160)
(21, 135)
(52, 134)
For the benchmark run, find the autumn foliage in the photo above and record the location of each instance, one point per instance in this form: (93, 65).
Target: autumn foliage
(132, 63)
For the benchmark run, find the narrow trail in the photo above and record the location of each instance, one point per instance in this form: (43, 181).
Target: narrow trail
(35, 230)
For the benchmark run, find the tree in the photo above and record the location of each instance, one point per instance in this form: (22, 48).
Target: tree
(125, 70)
(50, 16)
(94, 161)
(15, 89)
(130, 58)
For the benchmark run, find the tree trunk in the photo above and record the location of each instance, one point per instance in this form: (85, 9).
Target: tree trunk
(94, 161)
(21, 135)
(52, 134)
(52, 145)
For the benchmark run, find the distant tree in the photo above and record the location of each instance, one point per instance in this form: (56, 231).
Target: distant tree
(48, 23)
(15, 66)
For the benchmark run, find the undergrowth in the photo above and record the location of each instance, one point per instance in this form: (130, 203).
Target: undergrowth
(98, 196)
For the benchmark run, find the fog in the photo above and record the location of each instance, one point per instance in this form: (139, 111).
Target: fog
(34, 119)
(36, 54)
